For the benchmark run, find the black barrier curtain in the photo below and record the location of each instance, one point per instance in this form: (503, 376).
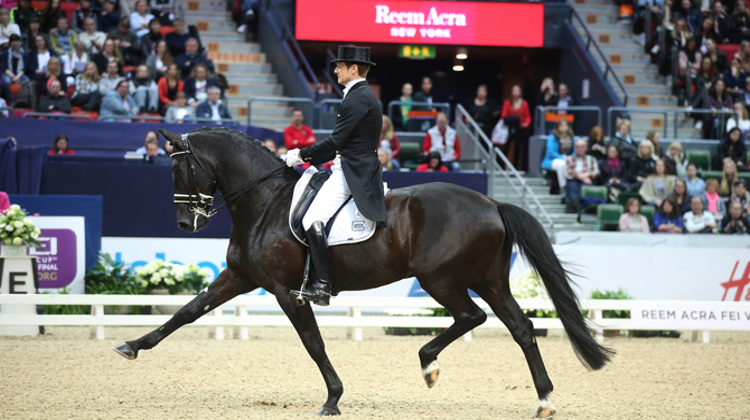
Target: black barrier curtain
(20, 169)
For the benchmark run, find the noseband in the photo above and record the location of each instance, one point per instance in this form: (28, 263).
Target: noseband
(200, 204)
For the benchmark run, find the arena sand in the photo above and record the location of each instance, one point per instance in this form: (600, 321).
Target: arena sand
(66, 375)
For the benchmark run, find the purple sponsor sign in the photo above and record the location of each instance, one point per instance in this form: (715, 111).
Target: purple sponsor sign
(56, 258)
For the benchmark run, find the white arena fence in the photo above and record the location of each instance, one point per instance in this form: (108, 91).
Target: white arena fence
(663, 314)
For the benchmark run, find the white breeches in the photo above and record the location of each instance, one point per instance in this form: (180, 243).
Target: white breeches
(559, 166)
(332, 195)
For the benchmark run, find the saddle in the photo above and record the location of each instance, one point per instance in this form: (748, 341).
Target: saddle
(347, 226)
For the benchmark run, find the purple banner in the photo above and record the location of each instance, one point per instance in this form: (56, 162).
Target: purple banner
(56, 258)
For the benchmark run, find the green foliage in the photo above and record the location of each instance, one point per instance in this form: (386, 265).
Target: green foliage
(608, 294)
(112, 278)
(65, 309)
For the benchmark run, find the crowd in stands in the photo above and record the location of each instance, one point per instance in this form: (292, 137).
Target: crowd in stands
(104, 44)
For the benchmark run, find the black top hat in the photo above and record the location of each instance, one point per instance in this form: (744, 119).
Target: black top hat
(352, 54)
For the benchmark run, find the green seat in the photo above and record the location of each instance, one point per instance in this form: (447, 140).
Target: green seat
(704, 175)
(624, 196)
(743, 175)
(410, 152)
(747, 158)
(594, 191)
(649, 212)
(608, 216)
(701, 158)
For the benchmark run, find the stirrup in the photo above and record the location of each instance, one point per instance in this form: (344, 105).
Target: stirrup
(321, 298)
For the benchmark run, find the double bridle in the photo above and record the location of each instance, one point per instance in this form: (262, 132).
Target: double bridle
(200, 204)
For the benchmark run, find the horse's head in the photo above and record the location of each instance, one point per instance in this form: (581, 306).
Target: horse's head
(194, 183)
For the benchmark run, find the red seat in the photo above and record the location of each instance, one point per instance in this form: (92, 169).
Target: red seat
(14, 88)
(146, 114)
(729, 49)
(76, 108)
(94, 115)
(68, 7)
(128, 69)
(166, 30)
(71, 91)
(20, 112)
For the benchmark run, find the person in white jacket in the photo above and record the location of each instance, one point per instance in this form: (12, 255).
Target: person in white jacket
(698, 221)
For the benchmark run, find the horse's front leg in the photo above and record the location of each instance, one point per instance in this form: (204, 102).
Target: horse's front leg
(303, 319)
(226, 286)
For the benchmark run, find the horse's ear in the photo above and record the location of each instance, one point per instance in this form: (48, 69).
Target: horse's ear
(171, 137)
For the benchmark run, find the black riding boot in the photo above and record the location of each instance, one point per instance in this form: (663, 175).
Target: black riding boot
(319, 291)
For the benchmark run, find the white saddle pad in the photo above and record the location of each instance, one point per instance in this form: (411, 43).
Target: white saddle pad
(350, 226)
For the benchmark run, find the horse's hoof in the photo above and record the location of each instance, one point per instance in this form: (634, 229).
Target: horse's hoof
(125, 351)
(431, 374)
(546, 410)
(329, 411)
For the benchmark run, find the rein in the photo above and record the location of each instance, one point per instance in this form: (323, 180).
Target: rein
(200, 204)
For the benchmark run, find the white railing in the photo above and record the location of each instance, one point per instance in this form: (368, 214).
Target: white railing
(354, 319)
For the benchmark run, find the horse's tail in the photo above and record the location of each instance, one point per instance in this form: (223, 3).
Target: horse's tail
(526, 232)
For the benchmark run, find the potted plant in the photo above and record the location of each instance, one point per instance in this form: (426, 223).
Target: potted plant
(114, 278)
(17, 232)
(614, 313)
(165, 278)
(528, 286)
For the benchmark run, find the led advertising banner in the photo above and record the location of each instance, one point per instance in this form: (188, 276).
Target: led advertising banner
(421, 22)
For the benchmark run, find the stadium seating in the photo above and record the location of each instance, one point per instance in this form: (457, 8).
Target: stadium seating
(608, 216)
(701, 158)
(649, 212)
(410, 154)
(623, 198)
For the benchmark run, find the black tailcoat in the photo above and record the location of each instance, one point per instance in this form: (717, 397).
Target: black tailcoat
(356, 138)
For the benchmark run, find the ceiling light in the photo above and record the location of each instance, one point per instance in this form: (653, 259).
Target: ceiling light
(458, 67)
(462, 56)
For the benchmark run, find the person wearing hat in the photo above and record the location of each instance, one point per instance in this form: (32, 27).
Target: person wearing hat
(356, 171)
(741, 195)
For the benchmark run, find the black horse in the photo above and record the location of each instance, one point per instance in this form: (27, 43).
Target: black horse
(450, 238)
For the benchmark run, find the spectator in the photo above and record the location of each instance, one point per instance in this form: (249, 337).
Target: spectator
(434, 163)
(109, 17)
(642, 165)
(63, 40)
(196, 87)
(12, 62)
(152, 138)
(213, 108)
(249, 11)
(597, 146)
(675, 160)
(50, 15)
(425, 95)
(735, 78)
(4, 202)
(190, 58)
(54, 99)
(61, 146)
(564, 100)
(614, 173)
(180, 112)
(169, 86)
(110, 79)
(703, 81)
(625, 144)
(281, 152)
(484, 110)
(680, 196)
(28, 39)
(698, 221)
(93, 39)
(118, 103)
(442, 138)
(139, 20)
(83, 12)
(384, 157)
(707, 32)
(3, 104)
(632, 221)
(712, 201)
(145, 91)
(298, 135)
(128, 42)
(559, 144)
(735, 223)
(177, 40)
(725, 25)
(581, 169)
(270, 145)
(7, 28)
(389, 139)
(695, 186)
(741, 121)
(405, 108)
(653, 136)
(740, 195)
(39, 57)
(150, 40)
(54, 72)
(728, 176)
(87, 93)
(517, 118)
(718, 99)
(547, 95)
(159, 62)
(163, 10)
(668, 219)
(717, 56)
(689, 58)
(21, 15)
(658, 185)
(690, 15)
(744, 55)
(742, 20)
(110, 53)
(733, 149)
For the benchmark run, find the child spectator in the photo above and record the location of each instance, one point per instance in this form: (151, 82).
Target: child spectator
(434, 164)
(614, 173)
(196, 87)
(93, 39)
(642, 165)
(180, 112)
(389, 139)
(54, 99)
(728, 176)
(680, 196)
(668, 218)
(442, 138)
(87, 93)
(697, 220)
(695, 186)
(632, 221)
(144, 91)
(61, 146)
(742, 196)
(110, 53)
(675, 160)
(110, 79)
(169, 86)
(712, 202)
(625, 144)
(658, 186)
(159, 62)
(63, 40)
(733, 149)
(559, 145)
(734, 223)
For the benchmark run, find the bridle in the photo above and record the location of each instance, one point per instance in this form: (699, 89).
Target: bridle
(200, 204)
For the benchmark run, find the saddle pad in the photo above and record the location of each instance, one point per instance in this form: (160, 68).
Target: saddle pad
(349, 227)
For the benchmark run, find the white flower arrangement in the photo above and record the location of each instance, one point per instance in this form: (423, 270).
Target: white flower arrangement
(174, 277)
(528, 286)
(17, 229)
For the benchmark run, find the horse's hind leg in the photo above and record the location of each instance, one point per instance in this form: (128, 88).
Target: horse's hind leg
(467, 316)
(226, 286)
(520, 326)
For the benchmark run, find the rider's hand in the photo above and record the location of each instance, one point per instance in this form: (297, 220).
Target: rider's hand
(292, 158)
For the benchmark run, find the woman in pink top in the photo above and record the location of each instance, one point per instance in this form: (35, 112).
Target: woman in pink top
(4, 202)
(632, 220)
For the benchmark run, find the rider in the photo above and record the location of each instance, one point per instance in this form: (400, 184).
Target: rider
(356, 170)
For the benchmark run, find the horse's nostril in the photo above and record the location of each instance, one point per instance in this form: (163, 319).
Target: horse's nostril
(183, 225)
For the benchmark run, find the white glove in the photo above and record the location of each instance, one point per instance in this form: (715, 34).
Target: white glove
(292, 158)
